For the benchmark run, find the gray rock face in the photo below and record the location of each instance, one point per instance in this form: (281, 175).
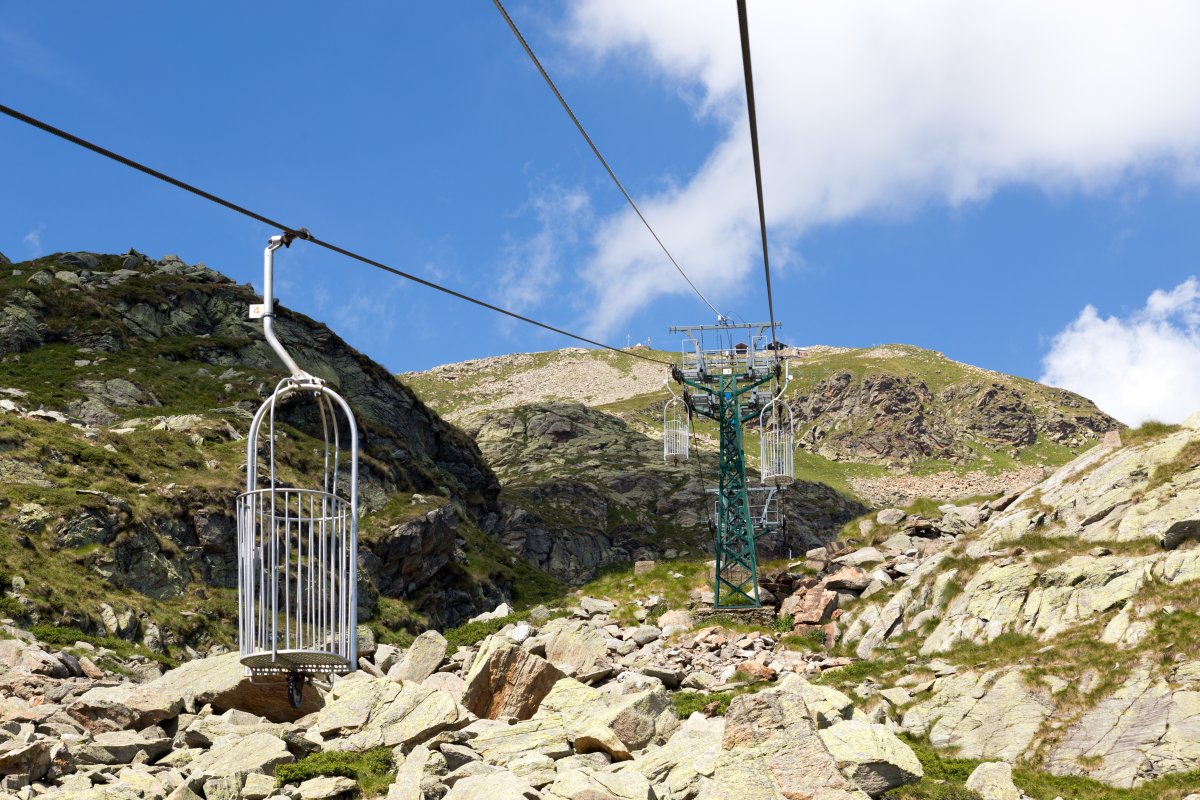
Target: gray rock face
(771, 749)
(993, 780)
(871, 756)
(611, 478)
(422, 658)
(196, 321)
(363, 712)
(1145, 729)
(993, 715)
(507, 681)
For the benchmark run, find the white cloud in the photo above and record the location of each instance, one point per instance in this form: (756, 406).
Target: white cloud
(531, 268)
(33, 241)
(876, 107)
(1143, 367)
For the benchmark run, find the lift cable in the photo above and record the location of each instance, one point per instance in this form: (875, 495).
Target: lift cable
(545, 75)
(744, 25)
(302, 233)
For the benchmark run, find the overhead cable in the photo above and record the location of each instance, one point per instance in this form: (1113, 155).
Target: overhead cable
(562, 101)
(744, 25)
(301, 233)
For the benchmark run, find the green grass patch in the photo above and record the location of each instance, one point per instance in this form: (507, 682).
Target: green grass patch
(688, 703)
(65, 636)
(470, 633)
(1187, 460)
(1148, 431)
(1043, 786)
(373, 769)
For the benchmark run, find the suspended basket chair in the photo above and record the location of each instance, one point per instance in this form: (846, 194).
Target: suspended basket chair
(298, 545)
(676, 430)
(777, 443)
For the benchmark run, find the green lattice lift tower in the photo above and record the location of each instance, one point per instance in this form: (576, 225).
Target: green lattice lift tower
(732, 383)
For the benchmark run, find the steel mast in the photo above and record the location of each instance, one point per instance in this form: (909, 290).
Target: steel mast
(730, 387)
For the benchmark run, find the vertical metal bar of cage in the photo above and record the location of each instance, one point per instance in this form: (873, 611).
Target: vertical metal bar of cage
(323, 611)
(308, 642)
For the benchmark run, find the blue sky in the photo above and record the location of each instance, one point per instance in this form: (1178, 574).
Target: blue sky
(968, 182)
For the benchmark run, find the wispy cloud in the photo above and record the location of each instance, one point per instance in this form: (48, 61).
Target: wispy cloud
(1141, 367)
(531, 268)
(33, 241)
(877, 108)
(23, 52)
(369, 316)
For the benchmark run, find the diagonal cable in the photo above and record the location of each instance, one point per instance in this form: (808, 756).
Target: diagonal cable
(546, 76)
(300, 233)
(744, 25)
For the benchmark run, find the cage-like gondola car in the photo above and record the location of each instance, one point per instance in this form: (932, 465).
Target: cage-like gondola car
(298, 545)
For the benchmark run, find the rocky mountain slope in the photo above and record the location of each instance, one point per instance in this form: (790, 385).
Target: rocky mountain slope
(1038, 645)
(575, 437)
(126, 387)
(1061, 631)
(584, 489)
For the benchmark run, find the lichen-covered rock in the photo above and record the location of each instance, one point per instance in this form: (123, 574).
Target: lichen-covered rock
(577, 649)
(871, 755)
(989, 715)
(500, 743)
(993, 781)
(617, 783)
(422, 658)
(364, 712)
(771, 750)
(599, 721)
(498, 786)
(1145, 729)
(219, 681)
(232, 755)
(679, 767)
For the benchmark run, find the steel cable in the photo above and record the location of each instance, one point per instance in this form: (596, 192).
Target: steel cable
(302, 233)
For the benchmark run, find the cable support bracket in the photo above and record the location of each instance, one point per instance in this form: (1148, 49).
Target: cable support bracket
(290, 236)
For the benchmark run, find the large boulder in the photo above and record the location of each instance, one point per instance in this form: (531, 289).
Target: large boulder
(363, 712)
(871, 755)
(30, 760)
(611, 783)
(687, 759)
(500, 743)
(119, 747)
(993, 780)
(412, 776)
(771, 749)
(127, 706)
(496, 786)
(423, 658)
(578, 649)
(219, 681)
(826, 705)
(600, 721)
(237, 755)
(508, 681)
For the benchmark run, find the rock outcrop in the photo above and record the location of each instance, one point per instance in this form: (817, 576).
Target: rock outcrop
(126, 389)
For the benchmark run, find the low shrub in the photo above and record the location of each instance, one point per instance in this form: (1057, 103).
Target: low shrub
(373, 769)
